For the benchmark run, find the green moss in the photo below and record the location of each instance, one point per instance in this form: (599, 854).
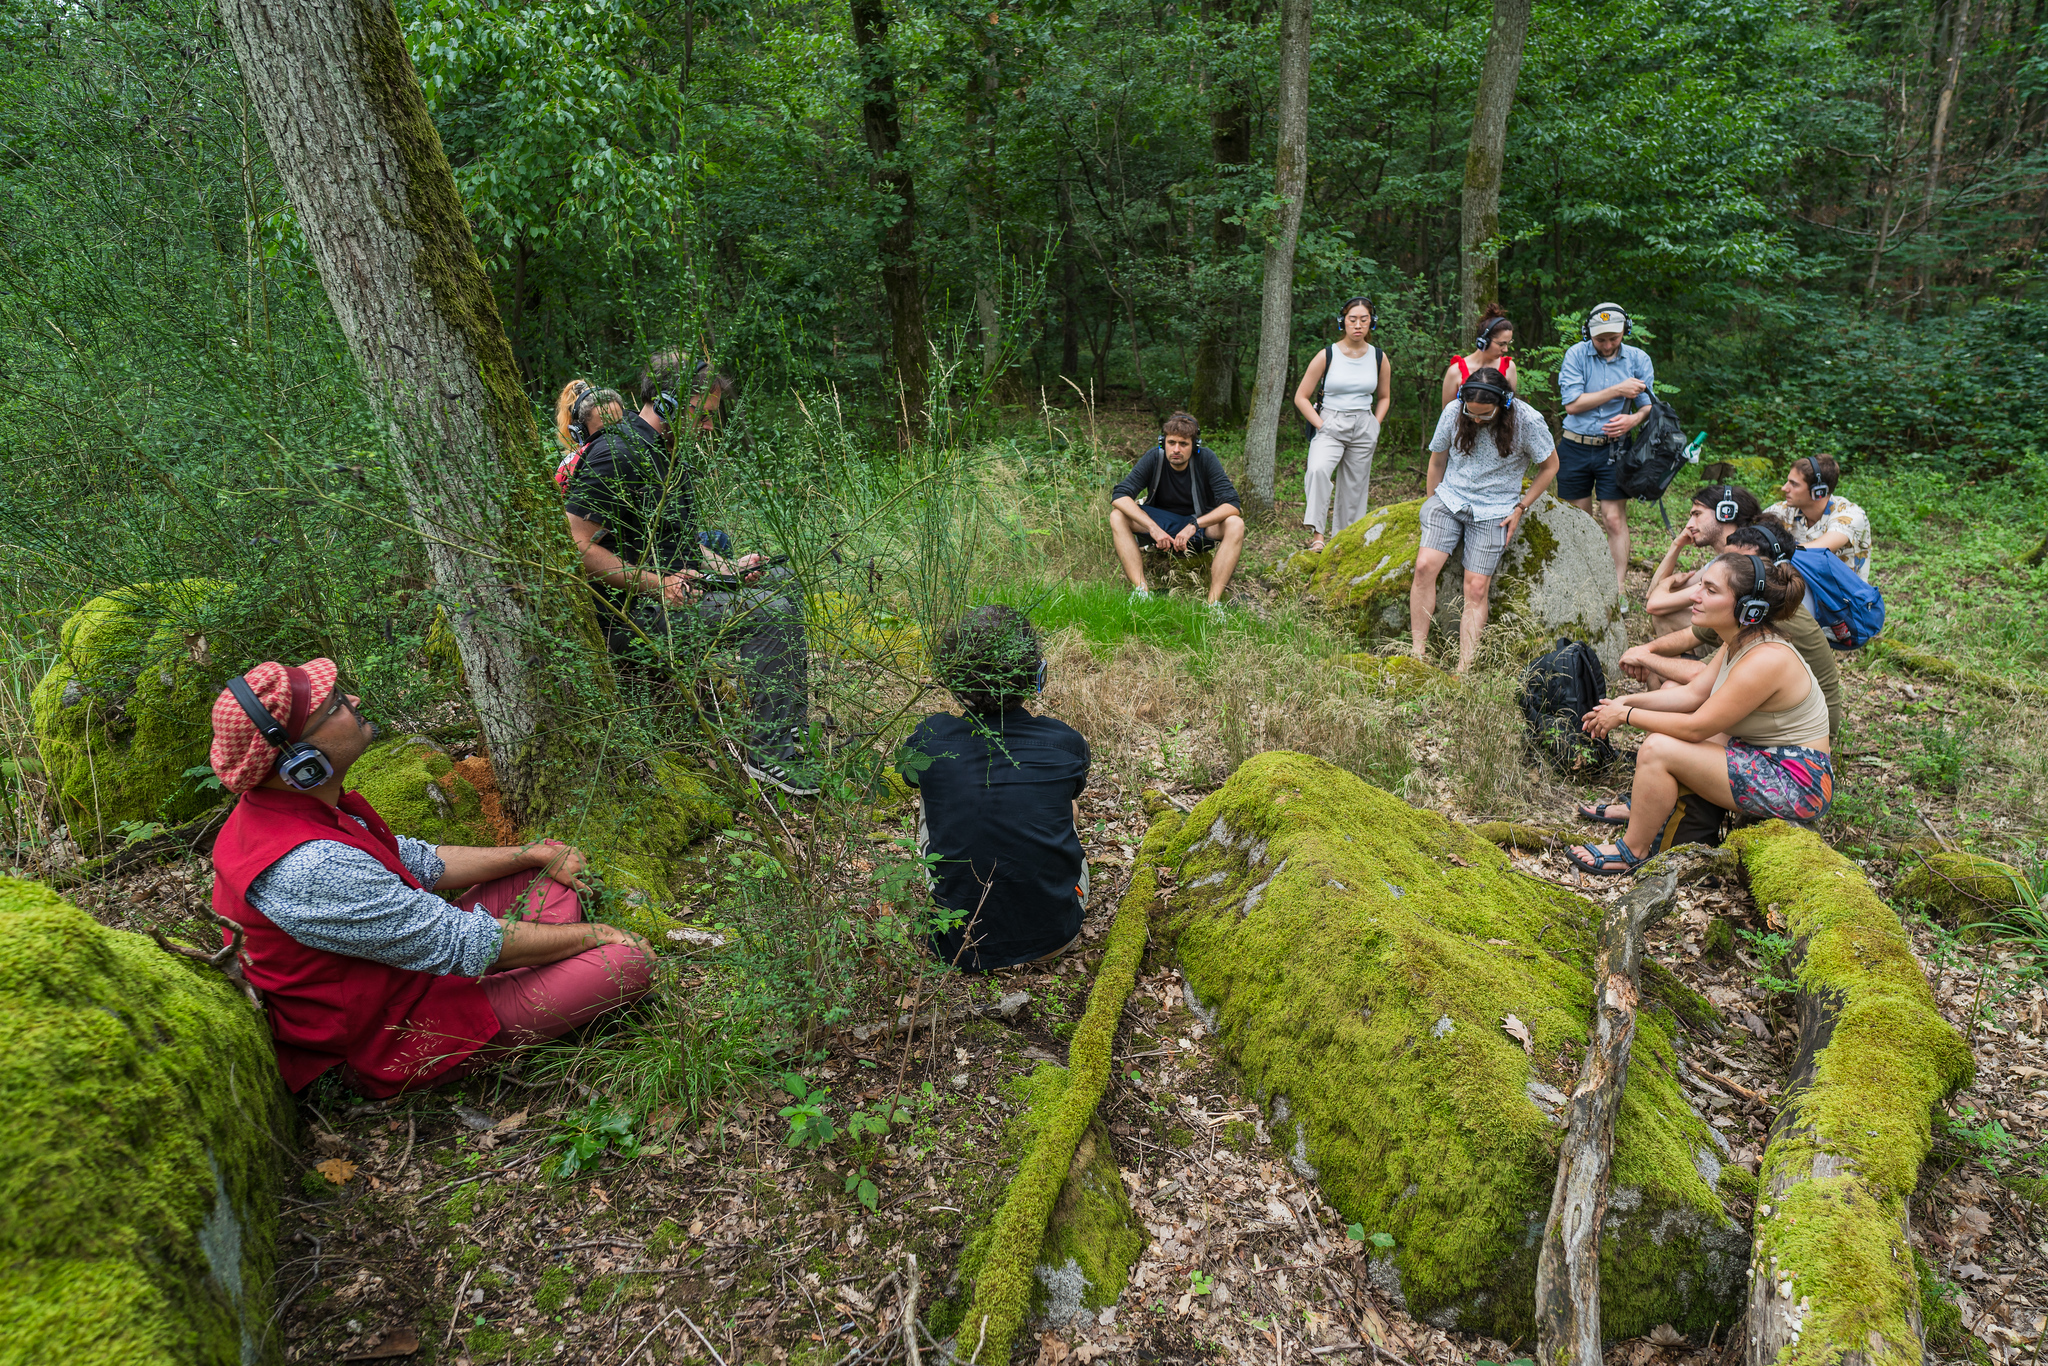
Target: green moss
(1401, 675)
(1935, 666)
(145, 1129)
(1365, 570)
(411, 782)
(637, 830)
(1964, 888)
(1738, 1181)
(1006, 1263)
(460, 1209)
(1533, 839)
(127, 709)
(1356, 956)
(1092, 1240)
(1832, 1215)
(1942, 1317)
(1662, 987)
(1719, 944)
(662, 1241)
(557, 1287)
(487, 1344)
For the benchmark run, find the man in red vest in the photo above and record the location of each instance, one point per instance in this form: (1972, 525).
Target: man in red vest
(360, 964)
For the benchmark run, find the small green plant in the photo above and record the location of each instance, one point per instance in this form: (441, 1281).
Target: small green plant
(1200, 1283)
(809, 1125)
(1383, 1241)
(1980, 1139)
(590, 1133)
(135, 832)
(860, 1188)
(1771, 951)
(2026, 925)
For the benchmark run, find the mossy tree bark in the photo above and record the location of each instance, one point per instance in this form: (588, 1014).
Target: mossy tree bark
(1568, 1268)
(1479, 214)
(1276, 294)
(363, 167)
(883, 128)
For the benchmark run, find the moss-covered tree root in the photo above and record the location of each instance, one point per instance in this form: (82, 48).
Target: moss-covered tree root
(1831, 1274)
(1002, 1290)
(1949, 671)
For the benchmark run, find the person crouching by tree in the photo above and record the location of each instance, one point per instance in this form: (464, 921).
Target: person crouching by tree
(998, 809)
(1717, 510)
(1820, 518)
(1357, 383)
(1190, 508)
(1483, 445)
(632, 514)
(360, 964)
(1756, 691)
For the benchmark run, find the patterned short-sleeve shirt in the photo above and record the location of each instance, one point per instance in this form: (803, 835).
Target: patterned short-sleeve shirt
(1839, 515)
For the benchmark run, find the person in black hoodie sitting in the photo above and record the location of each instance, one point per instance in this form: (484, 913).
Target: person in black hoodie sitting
(997, 809)
(1190, 508)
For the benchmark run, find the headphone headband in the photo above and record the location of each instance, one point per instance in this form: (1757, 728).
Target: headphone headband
(266, 724)
(1753, 608)
(302, 766)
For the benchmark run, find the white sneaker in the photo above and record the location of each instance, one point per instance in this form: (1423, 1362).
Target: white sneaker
(1141, 595)
(795, 781)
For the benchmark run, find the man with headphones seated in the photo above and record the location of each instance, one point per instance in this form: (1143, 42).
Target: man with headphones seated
(1600, 376)
(360, 964)
(998, 809)
(632, 513)
(1820, 518)
(1190, 508)
(1717, 510)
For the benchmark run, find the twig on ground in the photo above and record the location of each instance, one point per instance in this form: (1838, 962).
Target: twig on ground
(455, 1315)
(1754, 1097)
(700, 1337)
(659, 1324)
(411, 1132)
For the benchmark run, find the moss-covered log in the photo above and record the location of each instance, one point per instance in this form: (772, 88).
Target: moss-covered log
(1831, 1273)
(1358, 957)
(1966, 888)
(145, 1132)
(1009, 1258)
(1568, 1268)
(1949, 671)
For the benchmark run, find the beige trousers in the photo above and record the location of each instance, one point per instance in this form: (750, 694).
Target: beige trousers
(1339, 479)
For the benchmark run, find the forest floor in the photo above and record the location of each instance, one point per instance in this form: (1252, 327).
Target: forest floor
(454, 1237)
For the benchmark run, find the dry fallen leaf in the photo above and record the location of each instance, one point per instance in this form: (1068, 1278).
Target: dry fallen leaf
(399, 1342)
(1521, 1032)
(336, 1169)
(1051, 1351)
(1971, 1224)
(1664, 1335)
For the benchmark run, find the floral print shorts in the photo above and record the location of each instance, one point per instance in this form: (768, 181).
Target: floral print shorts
(1785, 782)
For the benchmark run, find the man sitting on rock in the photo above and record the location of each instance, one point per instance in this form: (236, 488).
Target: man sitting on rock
(1190, 508)
(360, 965)
(997, 808)
(1717, 510)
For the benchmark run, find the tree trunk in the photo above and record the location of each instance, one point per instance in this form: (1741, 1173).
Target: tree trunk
(1215, 390)
(1568, 1267)
(884, 132)
(1943, 107)
(1276, 294)
(347, 124)
(1479, 216)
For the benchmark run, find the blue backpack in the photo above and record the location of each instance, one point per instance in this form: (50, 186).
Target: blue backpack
(1849, 610)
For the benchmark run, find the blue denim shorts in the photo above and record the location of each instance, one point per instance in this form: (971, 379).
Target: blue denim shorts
(1588, 469)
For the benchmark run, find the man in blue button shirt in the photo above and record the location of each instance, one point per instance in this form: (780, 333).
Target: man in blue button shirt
(1600, 378)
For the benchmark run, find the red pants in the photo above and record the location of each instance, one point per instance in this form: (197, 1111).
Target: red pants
(550, 1000)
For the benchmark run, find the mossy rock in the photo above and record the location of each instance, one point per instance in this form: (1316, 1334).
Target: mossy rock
(1552, 582)
(139, 1201)
(127, 709)
(636, 831)
(419, 791)
(1401, 675)
(1356, 957)
(1965, 889)
(1092, 1240)
(849, 627)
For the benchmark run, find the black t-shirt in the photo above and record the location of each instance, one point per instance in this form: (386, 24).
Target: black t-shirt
(998, 814)
(628, 483)
(1176, 490)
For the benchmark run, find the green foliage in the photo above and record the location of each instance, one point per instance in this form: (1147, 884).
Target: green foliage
(809, 1125)
(586, 1136)
(1771, 950)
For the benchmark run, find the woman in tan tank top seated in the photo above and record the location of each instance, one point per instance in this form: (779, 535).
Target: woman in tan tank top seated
(1749, 733)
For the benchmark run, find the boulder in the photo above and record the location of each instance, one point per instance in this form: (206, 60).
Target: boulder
(1966, 889)
(1357, 958)
(139, 1200)
(421, 791)
(1552, 582)
(126, 711)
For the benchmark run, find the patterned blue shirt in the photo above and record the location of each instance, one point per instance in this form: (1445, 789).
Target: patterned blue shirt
(333, 896)
(1584, 371)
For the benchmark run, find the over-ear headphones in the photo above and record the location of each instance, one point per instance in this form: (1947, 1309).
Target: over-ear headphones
(1040, 686)
(1724, 508)
(1781, 551)
(1372, 312)
(578, 432)
(1753, 608)
(1486, 332)
(1493, 387)
(1606, 313)
(302, 767)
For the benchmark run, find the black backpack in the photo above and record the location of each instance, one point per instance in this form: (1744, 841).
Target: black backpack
(1654, 453)
(1558, 689)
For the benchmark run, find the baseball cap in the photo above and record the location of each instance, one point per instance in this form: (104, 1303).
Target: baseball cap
(1606, 318)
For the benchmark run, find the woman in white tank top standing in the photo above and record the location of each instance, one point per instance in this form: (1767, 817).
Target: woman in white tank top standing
(1357, 383)
(1495, 341)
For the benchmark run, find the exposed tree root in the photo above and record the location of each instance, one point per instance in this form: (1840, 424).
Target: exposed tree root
(1934, 666)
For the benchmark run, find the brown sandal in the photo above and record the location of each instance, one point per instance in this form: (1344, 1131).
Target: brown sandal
(1315, 547)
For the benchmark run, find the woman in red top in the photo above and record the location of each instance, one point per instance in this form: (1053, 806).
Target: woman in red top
(1495, 340)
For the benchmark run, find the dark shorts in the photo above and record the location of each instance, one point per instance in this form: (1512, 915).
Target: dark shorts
(1783, 782)
(1588, 469)
(1171, 523)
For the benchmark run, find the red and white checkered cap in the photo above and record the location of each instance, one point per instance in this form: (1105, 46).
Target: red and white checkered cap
(241, 757)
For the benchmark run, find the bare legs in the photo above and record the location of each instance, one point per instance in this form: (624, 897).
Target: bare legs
(1230, 545)
(1662, 763)
(1422, 607)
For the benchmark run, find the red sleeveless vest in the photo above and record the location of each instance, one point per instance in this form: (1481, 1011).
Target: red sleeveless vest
(396, 1029)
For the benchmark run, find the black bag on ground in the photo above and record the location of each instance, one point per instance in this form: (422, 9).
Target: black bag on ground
(1560, 686)
(1693, 820)
(1654, 453)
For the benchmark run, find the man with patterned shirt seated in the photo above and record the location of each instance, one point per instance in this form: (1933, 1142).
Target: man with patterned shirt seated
(360, 964)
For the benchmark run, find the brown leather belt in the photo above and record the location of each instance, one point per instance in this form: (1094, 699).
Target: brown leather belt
(1579, 440)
